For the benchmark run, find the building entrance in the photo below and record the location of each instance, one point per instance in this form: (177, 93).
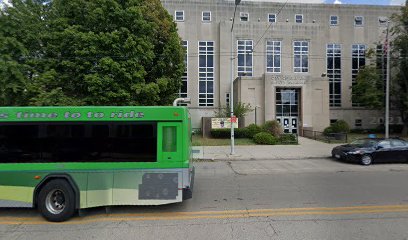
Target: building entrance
(287, 108)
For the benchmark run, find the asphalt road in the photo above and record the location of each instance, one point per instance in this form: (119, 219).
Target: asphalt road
(287, 199)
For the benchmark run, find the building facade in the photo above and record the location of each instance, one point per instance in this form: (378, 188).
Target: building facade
(292, 62)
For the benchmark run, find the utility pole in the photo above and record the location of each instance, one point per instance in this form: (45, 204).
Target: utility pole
(387, 86)
(237, 2)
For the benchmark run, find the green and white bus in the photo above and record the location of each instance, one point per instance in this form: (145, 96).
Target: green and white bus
(61, 159)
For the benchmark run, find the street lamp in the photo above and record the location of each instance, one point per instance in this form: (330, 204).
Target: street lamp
(237, 2)
(387, 86)
(384, 20)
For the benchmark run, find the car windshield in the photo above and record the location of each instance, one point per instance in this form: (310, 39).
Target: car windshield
(363, 143)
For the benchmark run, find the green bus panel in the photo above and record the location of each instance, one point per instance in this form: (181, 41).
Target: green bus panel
(99, 188)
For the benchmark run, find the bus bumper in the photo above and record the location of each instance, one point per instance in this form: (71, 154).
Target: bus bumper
(188, 191)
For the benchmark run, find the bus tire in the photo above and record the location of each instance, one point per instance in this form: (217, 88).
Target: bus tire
(56, 200)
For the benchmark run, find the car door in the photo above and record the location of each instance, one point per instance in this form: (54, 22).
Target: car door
(383, 152)
(400, 150)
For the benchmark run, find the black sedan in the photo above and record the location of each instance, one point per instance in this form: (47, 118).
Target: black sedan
(373, 150)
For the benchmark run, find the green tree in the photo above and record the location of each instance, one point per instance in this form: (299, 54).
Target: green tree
(82, 52)
(240, 110)
(20, 31)
(400, 79)
(369, 88)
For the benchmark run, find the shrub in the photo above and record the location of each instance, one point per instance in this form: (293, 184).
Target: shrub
(273, 127)
(196, 131)
(288, 138)
(252, 129)
(340, 126)
(264, 138)
(328, 130)
(226, 133)
(240, 133)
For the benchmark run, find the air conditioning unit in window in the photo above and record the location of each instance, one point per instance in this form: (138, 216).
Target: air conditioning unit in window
(244, 16)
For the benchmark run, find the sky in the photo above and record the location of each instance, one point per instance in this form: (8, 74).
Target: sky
(371, 2)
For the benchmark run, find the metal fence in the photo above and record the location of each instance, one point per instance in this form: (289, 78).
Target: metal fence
(330, 137)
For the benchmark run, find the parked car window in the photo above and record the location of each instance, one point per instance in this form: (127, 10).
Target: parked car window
(364, 143)
(384, 144)
(399, 143)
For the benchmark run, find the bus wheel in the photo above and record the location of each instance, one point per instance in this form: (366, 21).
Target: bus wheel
(56, 200)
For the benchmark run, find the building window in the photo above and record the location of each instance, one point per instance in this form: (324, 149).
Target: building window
(301, 56)
(381, 63)
(382, 21)
(227, 99)
(332, 121)
(333, 53)
(358, 61)
(206, 16)
(244, 16)
(358, 123)
(272, 17)
(245, 53)
(358, 21)
(334, 20)
(298, 18)
(206, 73)
(273, 56)
(184, 78)
(179, 16)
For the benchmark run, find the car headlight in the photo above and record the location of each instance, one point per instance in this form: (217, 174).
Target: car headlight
(356, 152)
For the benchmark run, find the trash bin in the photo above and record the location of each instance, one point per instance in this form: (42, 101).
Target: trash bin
(372, 136)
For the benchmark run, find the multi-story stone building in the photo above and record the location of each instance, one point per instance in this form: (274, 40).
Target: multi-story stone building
(291, 62)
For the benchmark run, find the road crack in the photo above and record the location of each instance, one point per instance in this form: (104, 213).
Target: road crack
(229, 164)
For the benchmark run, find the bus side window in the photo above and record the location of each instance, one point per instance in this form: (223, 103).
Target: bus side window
(170, 139)
(134, 142)
(19, 143)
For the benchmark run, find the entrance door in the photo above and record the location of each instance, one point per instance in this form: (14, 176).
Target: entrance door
(289, 124)
(287, 109)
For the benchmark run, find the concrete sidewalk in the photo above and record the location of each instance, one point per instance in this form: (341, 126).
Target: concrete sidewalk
(307, 149)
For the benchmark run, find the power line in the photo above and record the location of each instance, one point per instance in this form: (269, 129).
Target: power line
(196, 55)
(270, 24)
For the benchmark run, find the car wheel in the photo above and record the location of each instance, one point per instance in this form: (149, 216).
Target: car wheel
(56, 201)
(366, 160)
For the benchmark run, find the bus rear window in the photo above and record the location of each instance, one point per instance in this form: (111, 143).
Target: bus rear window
(169, 139)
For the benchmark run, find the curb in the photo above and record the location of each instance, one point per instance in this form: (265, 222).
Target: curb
(257, 159)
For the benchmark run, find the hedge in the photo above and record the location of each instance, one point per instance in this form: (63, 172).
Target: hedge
(226, 133)
(265, 138)
(288, 138)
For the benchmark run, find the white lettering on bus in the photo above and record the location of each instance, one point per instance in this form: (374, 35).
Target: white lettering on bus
(72, 115)
(25, 115)
(131, 114)
(95, 115)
